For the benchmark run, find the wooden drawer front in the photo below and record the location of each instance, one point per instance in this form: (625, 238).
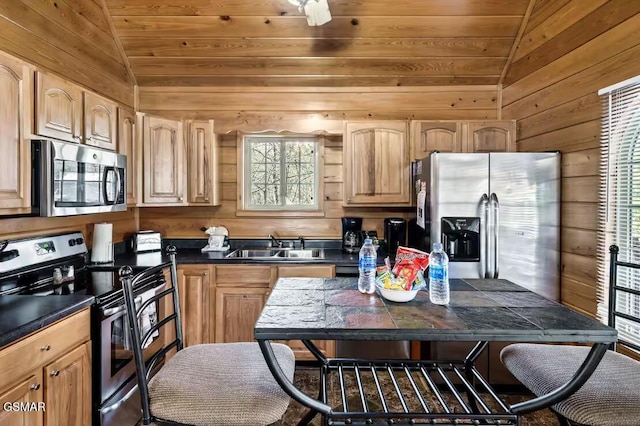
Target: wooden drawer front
(43, 347)
(242, 276)
(311, 271)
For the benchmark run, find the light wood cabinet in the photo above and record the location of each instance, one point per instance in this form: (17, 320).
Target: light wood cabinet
(202, 165)
(429, 136)
(462, 136)
(51, 366)
(58, 108)
(100, 121)
(491, 136)
(67, 384)
(163, 160)
(376, 163)
(194, 288)
(15, 119)
(127, 146)
(29, 391)
(241, 292)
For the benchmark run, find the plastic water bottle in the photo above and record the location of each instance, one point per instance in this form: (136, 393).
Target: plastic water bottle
(367, 267)
(438, 276)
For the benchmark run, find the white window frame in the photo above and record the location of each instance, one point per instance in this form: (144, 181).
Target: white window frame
(244, 178)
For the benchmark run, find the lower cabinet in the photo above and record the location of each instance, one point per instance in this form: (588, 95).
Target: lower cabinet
(52, 369)
(196, 306)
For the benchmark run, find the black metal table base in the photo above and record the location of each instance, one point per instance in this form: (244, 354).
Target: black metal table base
(414, 392)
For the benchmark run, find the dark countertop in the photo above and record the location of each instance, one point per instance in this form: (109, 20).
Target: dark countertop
(491, 310)
(195, 256)
(21, 315)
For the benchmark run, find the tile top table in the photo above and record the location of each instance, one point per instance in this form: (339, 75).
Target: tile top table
(480, 310)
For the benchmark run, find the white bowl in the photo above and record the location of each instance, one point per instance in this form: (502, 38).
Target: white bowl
(398, 295)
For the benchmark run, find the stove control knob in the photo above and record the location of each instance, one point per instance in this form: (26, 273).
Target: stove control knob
(79, 241)
(72, 242)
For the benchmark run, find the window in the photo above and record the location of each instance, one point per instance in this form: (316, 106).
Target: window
(280, 173)
(620, 201)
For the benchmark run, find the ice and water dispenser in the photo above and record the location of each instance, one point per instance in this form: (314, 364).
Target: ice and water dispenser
(461, 238)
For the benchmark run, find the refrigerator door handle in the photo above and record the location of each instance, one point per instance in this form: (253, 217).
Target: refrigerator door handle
(484, 238)
(495, 205)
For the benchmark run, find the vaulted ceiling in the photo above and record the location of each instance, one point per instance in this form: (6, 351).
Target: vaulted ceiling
(268, 42)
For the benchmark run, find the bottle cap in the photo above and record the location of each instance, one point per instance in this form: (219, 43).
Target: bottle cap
(367, 240)
(437, 246)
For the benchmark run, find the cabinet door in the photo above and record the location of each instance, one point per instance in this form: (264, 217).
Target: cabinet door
(429, 136)
(491, 136)
(237, 310)
(163, 158)
(195, 306)
(99, 121)
(203, 154)
(127, 146)
(67, 385)
(377, 165)
(15, 162)
(27, 390)
(58, 108)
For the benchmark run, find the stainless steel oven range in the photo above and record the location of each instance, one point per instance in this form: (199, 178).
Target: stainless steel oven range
(54, 266)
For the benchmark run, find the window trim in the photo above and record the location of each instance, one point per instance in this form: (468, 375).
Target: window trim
(242, 210)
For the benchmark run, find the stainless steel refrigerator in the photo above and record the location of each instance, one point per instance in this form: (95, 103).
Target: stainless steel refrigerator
(497, 215)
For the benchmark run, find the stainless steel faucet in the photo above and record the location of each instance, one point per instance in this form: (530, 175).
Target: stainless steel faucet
(301, 242)
(275, 240)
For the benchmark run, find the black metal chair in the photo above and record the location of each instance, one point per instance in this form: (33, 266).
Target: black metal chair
(208, 384)
(610, 397)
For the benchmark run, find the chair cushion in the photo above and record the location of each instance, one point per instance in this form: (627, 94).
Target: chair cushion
(611, 396)
(221, 384)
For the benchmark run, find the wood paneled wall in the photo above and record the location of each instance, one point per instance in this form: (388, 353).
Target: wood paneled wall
(571, 49)
(71, 38)
(124, 224)
(318, 109)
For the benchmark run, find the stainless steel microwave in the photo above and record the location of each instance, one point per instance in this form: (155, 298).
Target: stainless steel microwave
(72, 179)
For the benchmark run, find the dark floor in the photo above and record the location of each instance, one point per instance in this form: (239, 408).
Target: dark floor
(307, 379)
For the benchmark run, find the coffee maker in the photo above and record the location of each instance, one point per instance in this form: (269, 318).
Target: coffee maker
(352, 236)
(395, 234)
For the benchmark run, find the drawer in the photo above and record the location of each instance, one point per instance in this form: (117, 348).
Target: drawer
(242, 276)
(311, 271)
(43, 347)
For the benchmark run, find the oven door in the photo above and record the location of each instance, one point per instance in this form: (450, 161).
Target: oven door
(77, 179)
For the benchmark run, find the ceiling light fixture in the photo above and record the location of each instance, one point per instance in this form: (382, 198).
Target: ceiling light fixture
(317, 11)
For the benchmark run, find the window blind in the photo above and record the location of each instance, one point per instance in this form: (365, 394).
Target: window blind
(619, 208)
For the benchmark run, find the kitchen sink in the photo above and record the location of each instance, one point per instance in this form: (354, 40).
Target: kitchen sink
(308, 253)
(276, 254)
(254, 254)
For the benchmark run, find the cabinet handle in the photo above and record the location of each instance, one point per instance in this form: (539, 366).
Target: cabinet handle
(35, 386)
(204, 273)
(206, 199)
(55, 373)
(90, 138)
(45, 347)
(179, 198)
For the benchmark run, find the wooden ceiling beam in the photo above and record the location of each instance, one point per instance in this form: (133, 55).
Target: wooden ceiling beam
(516, 43)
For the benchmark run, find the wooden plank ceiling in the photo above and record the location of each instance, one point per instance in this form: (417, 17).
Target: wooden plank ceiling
(268, 42)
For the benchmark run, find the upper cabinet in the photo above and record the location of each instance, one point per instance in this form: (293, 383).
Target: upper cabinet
(462, 136)
(58, 108)
(491, 136)
(99, 121)
(127, 146)
(15, 162)
(203, 154)
(440, 136)
(376, 163)
(163, 159)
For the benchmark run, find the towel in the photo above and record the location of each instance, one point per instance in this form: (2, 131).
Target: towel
(149, 317)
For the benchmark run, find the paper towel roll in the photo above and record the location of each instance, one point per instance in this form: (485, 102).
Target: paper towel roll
(102, 249)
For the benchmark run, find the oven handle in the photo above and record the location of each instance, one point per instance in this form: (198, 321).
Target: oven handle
(107, 312)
